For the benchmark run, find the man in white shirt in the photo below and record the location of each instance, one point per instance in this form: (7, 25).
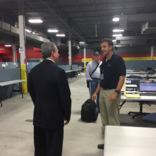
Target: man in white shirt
(95, 77)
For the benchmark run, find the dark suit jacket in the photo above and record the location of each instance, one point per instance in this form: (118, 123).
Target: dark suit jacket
(50, 93)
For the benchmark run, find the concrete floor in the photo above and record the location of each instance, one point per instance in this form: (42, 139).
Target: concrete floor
(80, 139)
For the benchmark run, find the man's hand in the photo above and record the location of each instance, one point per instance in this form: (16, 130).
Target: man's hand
(94, 97)
(113, 96)
(66, 122)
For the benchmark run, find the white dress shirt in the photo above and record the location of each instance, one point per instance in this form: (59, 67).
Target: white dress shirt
(90, 67)
(50, 60)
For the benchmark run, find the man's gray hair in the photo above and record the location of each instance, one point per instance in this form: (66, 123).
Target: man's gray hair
(47, 48)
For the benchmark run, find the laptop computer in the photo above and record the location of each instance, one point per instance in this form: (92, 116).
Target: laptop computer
(147, 88)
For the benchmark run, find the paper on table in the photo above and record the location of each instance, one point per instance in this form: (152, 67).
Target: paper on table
(133, 95)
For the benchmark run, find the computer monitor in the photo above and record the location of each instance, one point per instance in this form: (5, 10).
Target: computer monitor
(149, 68)
(147, 86)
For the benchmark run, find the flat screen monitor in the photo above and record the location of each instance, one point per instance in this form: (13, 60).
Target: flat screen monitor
(147, 87)
(149, 68)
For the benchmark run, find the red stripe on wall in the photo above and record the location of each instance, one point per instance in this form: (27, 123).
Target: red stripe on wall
(136, 55)
(77, 58)
(37, 49)
(7, 56)
(30, 53)
(1, 59)
(5, 50)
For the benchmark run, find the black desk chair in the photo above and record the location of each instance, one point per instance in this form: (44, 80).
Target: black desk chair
(150, 118)
(140, 113)
(134, 76)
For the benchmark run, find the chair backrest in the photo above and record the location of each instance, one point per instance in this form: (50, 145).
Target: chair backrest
(151, 73)
(135, 81)
(133, 76)
(149, 68)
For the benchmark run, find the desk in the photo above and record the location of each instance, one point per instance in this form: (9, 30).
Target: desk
(13, 82)
(73, 72)
(130, 70)
(142, 76)
(129, 141)
(69, 71)
(141, 100)
(133, 72)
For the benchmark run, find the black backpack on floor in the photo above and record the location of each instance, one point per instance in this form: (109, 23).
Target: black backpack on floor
(88, 111)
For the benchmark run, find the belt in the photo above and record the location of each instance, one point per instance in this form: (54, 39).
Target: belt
(96, 78)
(108, 88)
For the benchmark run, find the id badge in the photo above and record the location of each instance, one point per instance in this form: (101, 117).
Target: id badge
(102, 76)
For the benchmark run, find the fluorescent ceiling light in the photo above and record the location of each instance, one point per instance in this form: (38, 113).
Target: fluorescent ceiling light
(29, 31)
(81, 42)
(53, 30)
(118, 30)
(114, 40)
(35, 21)
(8, 45)
(117, 35)
(115, 19)
(60, 35)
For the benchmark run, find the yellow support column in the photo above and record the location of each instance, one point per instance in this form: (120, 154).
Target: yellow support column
(24, 77)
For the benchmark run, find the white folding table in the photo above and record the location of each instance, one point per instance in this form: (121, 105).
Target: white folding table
(142, 100)
(129, 141)
(13, 82)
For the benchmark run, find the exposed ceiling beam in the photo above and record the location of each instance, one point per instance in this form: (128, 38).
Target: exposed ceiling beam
(116, 3)
(130, 18)
(149, 5)
(93, 11)
(141, 17)
(65, 19)
(135, 37)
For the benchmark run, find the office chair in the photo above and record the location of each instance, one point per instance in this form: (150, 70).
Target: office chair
(150, 118)
(149, 68)
(142, 69)
(151, 73)
(135, 81)
(134, 76)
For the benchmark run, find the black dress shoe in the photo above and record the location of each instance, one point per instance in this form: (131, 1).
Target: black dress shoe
(100, 146)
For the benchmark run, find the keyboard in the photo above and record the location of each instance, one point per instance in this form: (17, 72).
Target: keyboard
(148, 94)
(148, 97)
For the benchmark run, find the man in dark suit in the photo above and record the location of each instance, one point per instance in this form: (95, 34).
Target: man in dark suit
(50, 93)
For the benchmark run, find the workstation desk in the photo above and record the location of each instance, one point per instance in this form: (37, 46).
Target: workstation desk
(129, 141)
(13, 83)
(142, 100)
(76, 70)
(73, 73)
(133, 72)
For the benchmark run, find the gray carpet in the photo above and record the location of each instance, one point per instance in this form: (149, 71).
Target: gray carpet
(126, 120)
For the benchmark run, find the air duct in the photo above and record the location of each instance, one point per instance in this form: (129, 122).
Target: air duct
(148, 28)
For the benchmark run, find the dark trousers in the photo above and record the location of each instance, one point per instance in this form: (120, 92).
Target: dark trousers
(48, 142)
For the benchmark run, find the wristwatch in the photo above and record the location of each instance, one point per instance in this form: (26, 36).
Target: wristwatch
(118, 91)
